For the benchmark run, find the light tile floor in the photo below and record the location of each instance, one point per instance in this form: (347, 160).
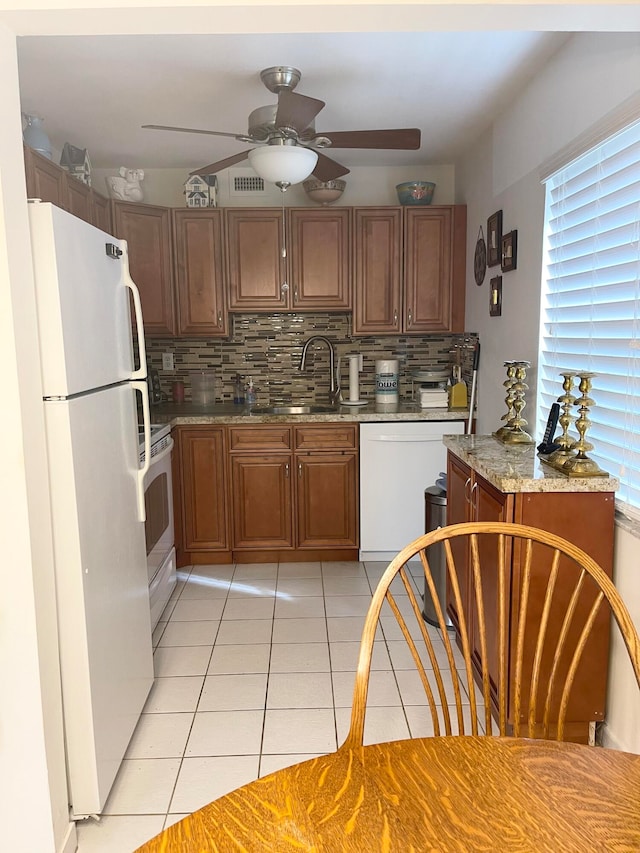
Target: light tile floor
(254, 671)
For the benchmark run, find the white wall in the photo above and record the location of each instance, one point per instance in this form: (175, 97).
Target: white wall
(365, 186)
(33, 795)
(588, 78)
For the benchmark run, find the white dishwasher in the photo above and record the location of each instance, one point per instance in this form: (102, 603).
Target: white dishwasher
(398, 461)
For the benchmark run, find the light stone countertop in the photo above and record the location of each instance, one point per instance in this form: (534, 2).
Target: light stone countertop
(517, 468)
(228, 413)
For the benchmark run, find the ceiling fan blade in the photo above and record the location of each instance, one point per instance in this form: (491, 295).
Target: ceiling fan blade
(406, 138)
(327, 169)
(212, 168)
(296, 111)
(239, 136)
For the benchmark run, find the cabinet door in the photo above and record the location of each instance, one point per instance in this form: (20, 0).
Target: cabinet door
(147, 230)
(78, 198)
(262, 505)
(255, 267)
(327, 500)
(198, 259)
(45, 179)
(458, 511)
(100, 212)
(203, 489)
(319, 259)
(434, 269)
(377, 270)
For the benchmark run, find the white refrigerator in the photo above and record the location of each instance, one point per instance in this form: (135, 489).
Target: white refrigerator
(83, 291)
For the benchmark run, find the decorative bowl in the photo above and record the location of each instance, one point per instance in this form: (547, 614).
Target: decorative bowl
(415, 192)
(324, 192)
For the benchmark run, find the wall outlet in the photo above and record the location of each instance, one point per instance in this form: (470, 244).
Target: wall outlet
(167, 361)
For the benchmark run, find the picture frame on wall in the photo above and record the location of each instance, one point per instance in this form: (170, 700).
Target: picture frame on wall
(494, 238)
(495, 297)
(509, 251)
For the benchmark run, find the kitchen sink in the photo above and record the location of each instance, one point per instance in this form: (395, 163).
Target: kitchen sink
(293, 410)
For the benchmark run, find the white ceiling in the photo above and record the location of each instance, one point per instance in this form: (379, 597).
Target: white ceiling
(96, 91)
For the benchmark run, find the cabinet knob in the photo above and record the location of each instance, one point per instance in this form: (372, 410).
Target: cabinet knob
(409, 318)
(395, 316)
(295, 292)
(219, 319)
(299, 469)
(286, 469)
(284, 289)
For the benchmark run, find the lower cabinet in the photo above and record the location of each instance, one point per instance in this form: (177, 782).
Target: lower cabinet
(267, 492)
(202, 524)
(584, 518)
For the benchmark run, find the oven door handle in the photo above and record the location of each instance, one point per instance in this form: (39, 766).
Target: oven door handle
(143, 388)
(163, 453)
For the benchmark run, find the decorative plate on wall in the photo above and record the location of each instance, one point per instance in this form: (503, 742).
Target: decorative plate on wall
(480, 258)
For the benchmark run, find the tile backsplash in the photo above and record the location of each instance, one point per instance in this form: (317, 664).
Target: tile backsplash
(268, 348)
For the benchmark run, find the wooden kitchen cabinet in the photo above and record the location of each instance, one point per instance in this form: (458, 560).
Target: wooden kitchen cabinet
(582, 517)
(409, 270)
(295, 490)
(101, 212)
(202, 506)
(314, 276)
(261, 486)
(198, 253)
(319, 259)
(78, 198)
(147, 230)
(45, 179)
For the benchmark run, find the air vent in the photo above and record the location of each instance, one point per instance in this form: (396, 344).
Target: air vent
(244, 183)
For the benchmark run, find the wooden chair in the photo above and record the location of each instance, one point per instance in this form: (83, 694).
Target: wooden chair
(530, 636)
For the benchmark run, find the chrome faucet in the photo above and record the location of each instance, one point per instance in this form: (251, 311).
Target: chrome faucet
(334, 391)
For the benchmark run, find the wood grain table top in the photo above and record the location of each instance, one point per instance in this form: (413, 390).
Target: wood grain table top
(429, 794)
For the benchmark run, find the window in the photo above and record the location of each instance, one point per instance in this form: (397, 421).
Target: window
(591, 300)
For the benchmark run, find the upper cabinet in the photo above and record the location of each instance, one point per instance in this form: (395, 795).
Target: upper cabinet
(199, 272)
(45, 179)
(50, 182)
(303, 266)
(147, 230)
(409, 270)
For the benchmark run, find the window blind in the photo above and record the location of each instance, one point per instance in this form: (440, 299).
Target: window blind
(589, 318)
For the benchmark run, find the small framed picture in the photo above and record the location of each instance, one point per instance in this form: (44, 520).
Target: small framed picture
(509, 251)
(495, 297)
(494, 238)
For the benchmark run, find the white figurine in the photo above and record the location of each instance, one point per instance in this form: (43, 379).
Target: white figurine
(127, 186)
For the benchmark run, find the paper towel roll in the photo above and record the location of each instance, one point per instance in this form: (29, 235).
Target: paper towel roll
(354, 381)
(387, 380)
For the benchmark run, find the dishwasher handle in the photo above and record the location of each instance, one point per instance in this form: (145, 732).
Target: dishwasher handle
(412, 439)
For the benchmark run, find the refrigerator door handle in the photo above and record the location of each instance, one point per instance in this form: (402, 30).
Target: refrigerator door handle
(141, 372)
(143, 388)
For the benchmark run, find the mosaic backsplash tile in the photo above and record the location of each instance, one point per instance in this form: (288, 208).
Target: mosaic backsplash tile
(268, 348)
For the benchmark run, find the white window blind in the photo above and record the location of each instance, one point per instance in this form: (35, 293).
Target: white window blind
(591, 297)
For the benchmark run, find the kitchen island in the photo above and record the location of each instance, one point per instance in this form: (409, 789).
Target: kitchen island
(490, 481)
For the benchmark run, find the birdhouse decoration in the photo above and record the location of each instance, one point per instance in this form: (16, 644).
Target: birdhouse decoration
(76, 162)
(201, 191)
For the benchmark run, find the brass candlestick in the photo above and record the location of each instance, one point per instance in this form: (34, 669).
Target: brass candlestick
(581, 465)
(508, 384)
(516, 434)
(566, 442)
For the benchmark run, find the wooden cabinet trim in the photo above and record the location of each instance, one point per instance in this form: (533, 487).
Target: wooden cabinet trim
(325, 437)
(259, 438)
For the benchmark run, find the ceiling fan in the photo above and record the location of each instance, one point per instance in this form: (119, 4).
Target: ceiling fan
(290, 124)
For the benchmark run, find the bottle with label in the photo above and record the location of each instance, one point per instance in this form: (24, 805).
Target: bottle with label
(238, 391)
(251, 392)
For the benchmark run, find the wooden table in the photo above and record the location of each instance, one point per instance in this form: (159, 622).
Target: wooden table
(430, 794)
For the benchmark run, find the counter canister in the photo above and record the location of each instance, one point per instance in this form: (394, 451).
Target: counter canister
(387, 380)
(203, 387)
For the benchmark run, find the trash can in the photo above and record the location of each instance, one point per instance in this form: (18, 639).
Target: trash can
(435, 500)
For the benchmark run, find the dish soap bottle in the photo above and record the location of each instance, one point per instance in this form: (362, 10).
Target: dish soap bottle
(238, 393)
(251, 393)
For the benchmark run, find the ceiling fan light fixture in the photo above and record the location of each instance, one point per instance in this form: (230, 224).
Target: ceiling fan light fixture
(289, 164)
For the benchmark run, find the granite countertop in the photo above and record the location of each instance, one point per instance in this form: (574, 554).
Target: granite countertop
(228, 413)
(517, 468)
